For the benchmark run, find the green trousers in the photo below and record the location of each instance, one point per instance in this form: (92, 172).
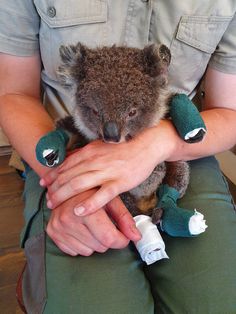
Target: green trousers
(199, 277)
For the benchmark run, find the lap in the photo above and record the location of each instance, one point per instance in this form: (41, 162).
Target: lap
(199, 277)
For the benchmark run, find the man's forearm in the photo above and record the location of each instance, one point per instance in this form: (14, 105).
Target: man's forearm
(221, 136)
(24, 120)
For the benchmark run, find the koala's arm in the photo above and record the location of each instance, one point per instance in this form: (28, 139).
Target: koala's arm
(219, 115)
(76, 138)
(22, 116)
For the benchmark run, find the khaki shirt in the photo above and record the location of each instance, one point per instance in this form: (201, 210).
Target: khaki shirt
(198, 33)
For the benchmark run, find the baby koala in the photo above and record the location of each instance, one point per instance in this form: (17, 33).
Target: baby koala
(117, 93)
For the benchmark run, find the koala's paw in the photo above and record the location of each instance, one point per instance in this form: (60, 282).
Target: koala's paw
(51, 148)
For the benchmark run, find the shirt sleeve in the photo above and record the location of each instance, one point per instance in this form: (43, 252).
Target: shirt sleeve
(224, 57)
(19, 27)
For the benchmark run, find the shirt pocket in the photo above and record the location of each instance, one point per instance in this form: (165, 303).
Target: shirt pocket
(69, 22)
(196, 39)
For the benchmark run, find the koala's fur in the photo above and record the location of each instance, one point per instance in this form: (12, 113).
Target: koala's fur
(118, 92)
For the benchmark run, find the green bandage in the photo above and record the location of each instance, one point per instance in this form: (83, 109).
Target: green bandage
(175, 220)
(187, 119)
(51, 148)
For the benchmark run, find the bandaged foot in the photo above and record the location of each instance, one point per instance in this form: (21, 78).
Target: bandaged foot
(176, 221)
(151, 247)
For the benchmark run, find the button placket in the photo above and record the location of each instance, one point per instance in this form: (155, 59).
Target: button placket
(138, 23)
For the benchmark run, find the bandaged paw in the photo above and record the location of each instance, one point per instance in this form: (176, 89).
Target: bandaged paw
(151, 247)
(51, 148)
(197, 223)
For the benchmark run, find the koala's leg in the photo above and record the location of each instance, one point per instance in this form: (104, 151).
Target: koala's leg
(67, 124)
(177, 176)
(76, 138)
(143, 198)
(130, 202)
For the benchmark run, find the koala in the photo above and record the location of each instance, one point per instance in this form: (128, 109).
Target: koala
(118, 92)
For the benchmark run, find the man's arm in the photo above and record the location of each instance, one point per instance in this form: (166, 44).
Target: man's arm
(22, 116)
(219, 114)
(24, 121)
(112, 166)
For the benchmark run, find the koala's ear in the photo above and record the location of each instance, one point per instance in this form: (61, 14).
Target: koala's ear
(71, 70)
(156, 59)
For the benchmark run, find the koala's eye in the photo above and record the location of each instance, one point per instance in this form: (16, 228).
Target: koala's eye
(95, 112)
(132, 113)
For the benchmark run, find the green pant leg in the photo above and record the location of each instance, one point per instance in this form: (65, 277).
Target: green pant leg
(200, 276)
(55, 283)
(108, 283)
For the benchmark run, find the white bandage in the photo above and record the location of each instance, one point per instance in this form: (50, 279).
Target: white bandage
(197, 223)
(151, 247)
(193, 133)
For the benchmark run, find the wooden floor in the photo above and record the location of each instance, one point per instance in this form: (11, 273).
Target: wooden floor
(11, 222)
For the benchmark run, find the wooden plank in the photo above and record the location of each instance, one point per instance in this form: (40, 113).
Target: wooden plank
(8, 300)
(11, 217)
(9, 241)
(4, 168)
(11, 221)
(12, 200)
(11, 265)
(10, 183)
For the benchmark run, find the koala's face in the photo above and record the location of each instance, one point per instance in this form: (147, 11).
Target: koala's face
(118, 91)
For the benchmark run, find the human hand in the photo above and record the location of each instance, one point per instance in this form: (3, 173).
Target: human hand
(93, 233)
(114, 168)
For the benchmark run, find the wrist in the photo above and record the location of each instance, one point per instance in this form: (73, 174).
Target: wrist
(162, 142)
(172, 143)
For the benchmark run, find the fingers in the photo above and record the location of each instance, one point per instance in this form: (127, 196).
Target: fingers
(49, 178)
(106, 232)
(124, 220)
(59, 193)
(73, 250)
(55, 181)
(80, 161)
(71, 235)
(84, 235)
(85, 153)
(78, 157)
(97, 200)
(57, 177)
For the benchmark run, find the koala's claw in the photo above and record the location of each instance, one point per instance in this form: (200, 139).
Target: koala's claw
(51, 158)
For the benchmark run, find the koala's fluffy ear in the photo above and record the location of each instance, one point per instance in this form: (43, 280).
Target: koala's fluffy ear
(71, 70)
(156, 60)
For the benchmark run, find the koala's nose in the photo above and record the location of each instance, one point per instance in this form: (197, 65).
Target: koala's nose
(111, 132)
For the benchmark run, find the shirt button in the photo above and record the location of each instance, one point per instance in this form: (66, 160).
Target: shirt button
(51, 11)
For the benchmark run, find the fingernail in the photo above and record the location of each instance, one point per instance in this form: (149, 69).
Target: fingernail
(79, 210)
(49, 204)
(42, 182)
